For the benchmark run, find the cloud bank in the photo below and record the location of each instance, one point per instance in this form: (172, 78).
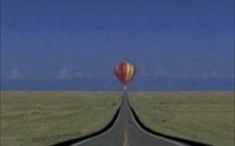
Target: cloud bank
(15, 74)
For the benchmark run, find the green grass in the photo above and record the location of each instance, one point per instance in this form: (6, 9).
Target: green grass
(203, 116)
(44, 118)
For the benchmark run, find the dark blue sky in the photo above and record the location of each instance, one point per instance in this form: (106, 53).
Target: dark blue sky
(58, 40)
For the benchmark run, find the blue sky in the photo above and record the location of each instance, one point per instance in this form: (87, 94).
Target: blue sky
(57, 41)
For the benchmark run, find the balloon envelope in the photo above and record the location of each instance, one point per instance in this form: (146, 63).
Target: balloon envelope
(125, 72)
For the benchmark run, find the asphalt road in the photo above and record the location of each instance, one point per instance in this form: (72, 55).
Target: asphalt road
(127, 132)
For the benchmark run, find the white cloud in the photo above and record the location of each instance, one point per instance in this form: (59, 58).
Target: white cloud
(143, 71)
(15, 74)
(160, 72)
(152, 72)
(81, 75)
(64, 73)
(213, 73)
(209, 75)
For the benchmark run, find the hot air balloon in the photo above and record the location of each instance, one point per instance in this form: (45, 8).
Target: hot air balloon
(125, 72)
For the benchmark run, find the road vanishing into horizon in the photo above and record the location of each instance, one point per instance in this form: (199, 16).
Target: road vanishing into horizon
(127, 132)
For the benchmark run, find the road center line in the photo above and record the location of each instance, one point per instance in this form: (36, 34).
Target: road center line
(125, 142)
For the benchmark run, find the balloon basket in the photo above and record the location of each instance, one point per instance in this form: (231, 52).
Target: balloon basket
(125, 88)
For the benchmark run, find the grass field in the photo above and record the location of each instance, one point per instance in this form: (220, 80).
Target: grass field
(203, 116)
(44, 118)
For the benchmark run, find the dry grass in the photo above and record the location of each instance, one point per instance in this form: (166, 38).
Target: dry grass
(44, 118)
(203, 116)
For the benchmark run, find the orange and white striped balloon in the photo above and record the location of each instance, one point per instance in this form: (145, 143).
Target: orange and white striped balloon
(125, 72)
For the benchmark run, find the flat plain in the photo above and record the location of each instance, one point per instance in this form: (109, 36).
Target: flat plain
(45, 118)
(202, 116)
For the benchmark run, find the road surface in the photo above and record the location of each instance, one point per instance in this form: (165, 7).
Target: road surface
(126, 132)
